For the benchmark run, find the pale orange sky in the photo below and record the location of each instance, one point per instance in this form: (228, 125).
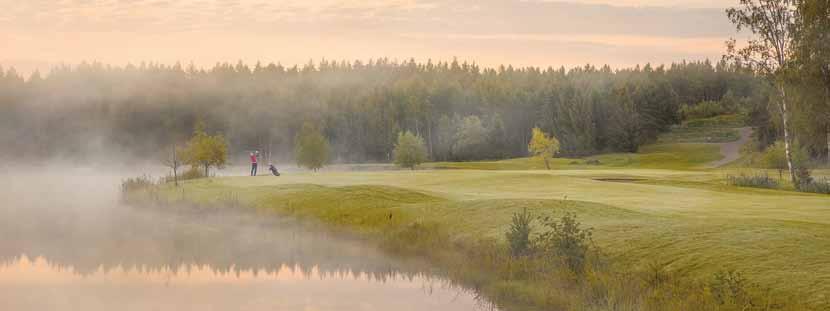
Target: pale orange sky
(40, 33)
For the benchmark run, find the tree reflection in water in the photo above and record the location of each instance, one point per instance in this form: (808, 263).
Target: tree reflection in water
(67, 249)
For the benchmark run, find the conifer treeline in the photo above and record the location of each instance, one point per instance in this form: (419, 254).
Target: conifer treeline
(462, 111)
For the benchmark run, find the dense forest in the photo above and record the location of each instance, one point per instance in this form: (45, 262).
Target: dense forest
(779, 81)
(462, 111)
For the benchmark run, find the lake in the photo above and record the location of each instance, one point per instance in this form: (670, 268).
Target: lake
(67, 243)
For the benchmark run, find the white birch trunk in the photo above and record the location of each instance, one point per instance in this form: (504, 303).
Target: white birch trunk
(786, 125)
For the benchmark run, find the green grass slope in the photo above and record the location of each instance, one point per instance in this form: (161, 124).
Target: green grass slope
(690, 145)
(681, 219)
(654, 207)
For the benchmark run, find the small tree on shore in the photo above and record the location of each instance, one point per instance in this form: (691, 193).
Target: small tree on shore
(204, 150)
(543, 146)
(312, 148)
(410, 150)
(174, 162)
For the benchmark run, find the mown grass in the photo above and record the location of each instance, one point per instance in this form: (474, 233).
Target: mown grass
(688, 222)
(665, 227)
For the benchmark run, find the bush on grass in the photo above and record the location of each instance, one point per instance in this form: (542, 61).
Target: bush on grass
(518, 236)
(567, 240)
(815, 186)
(136, 184)
(752, 181)
(705, 109)
(192, 173)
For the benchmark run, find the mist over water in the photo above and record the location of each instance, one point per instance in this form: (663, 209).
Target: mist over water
(66, 243)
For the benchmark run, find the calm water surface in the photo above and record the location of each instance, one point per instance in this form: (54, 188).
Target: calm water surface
(66, 243)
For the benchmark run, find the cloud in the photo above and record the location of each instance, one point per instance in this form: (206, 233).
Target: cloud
(489, 31)
(652, 3)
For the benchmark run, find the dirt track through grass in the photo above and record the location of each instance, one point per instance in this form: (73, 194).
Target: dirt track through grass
(731, 151)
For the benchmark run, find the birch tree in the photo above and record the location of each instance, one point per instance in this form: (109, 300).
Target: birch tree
(769, 52)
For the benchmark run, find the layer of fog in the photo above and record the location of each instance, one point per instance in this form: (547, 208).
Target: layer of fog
(71, 218)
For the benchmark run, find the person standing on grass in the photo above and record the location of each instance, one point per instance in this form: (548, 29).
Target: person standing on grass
(254, 156)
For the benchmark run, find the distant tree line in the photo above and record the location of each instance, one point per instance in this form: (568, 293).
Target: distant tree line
(460, 110)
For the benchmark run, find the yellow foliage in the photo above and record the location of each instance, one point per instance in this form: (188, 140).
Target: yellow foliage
(543, 146)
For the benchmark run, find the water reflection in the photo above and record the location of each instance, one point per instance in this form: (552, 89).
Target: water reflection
(65, 249)
(37, 285)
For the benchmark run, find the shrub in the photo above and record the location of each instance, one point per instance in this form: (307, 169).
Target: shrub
(775, 157)
(803, 176)
(752, 181)
(656, 275)
(815, 186)
(567, 240)
(704, 109)
(722, 121)
(192, 173)
(731, 289)
(519, 234)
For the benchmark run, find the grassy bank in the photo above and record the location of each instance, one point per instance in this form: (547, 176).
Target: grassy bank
(684, 223)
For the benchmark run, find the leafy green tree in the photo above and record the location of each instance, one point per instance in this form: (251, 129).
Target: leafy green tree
(204, 150)
(410, 150)
(312, 148)
(770, 54)
(497, 144)
(812, 41)
(543, 146)
(445, 138)
(470, 139)
(774, 157)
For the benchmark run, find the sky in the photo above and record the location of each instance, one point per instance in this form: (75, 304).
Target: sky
(37, 34)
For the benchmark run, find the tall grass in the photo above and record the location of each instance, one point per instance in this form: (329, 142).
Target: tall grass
(135, 184)
(189, 174)
(752, 181)
(821, 186)
(518, 236)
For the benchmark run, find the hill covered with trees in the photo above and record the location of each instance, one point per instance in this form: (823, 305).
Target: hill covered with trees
(462, 111)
